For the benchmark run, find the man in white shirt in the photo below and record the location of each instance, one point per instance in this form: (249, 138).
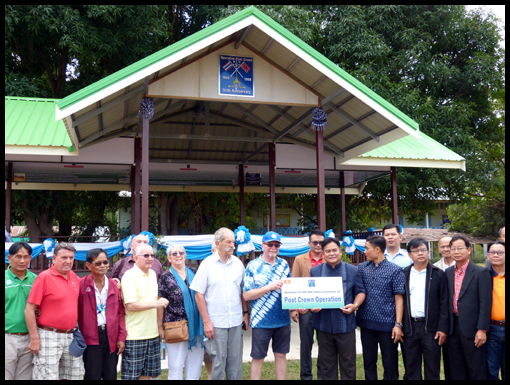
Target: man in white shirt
(425, 314)
(393, 252)
(218, 285)
(446, 260)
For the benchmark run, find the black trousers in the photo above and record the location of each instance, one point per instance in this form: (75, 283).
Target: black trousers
(371, 340)
(422, 347)
(337, 350)
(99, 362)
(306, 335)
(446, 361)
(467, 362)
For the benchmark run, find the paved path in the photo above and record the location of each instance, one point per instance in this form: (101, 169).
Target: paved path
(294, 346)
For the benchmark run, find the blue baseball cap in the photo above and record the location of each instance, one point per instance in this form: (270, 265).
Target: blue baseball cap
(271, 236)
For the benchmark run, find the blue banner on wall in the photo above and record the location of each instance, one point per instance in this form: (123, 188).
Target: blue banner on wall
(236, 76)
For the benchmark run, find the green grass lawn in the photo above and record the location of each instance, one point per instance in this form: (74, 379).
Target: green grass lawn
(293, 370)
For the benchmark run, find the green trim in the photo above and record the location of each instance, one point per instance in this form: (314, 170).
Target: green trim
(215, 28)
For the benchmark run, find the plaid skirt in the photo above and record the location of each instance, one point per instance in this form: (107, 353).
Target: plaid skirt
(141, 358)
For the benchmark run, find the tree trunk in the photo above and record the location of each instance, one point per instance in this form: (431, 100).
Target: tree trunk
(173, 218)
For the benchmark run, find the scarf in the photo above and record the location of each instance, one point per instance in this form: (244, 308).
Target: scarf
(195, 324)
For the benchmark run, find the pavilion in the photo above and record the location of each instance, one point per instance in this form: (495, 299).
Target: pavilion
(182, 121)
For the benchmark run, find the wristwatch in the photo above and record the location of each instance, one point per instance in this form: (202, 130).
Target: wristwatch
(399, 325)
(246, 312)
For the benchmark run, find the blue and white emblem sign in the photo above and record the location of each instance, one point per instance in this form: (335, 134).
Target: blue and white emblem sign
(236, 76)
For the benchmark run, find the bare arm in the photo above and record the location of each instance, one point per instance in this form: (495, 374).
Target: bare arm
(141, 306)
(32, 327)
(397, 333)
(202, 309)
(253, 294)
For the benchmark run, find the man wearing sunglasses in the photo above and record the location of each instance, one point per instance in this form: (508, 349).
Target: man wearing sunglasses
(262, 286)
(301, 268)
(142, 355)
(124, 264)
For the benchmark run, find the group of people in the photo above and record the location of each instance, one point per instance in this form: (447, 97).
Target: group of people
(396, 298)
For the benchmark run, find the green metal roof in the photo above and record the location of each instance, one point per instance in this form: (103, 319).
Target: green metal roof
(410, 148)
(31, 122)
(215, 28)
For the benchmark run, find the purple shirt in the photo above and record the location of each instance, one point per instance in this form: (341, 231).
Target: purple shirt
(156, 266)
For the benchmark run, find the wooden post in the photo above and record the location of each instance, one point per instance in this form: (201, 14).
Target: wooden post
(145, 174)
(394, 196)
(241, 194)
(135, 224)
(342, 203)
(272, 186)
(8, 198)
(321, 191)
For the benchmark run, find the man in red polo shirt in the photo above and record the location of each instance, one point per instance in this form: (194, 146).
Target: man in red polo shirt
(301, 268)
(55, 292)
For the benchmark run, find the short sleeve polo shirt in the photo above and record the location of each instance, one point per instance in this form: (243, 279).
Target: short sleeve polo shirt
(140, 287)
(57, 298)
(266, 311)
(382, 283)
(16, 296)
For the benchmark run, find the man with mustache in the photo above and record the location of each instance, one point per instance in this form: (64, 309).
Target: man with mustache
(217, 285)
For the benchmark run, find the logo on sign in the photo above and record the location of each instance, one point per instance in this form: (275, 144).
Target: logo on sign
(236, 76)
(311, 283)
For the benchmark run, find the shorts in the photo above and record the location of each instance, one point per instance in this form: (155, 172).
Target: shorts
(54, 362)
(141, 358)
(260, 341)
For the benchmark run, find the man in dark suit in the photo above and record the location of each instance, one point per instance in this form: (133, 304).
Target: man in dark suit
(470, 302)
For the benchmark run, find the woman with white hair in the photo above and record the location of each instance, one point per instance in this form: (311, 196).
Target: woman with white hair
(174, 286)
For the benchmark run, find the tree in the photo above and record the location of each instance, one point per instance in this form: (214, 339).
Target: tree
(437, 63)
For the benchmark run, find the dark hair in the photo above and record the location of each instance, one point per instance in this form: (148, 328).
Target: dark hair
(315, 232)
(415, 243)
(495, 243)
(377, 241)
(391, 226)
(457, 237)
(94, 253)
(16, 246)
(328, 240)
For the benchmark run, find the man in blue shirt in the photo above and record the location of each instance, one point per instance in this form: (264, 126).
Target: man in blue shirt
(336, 328)
(262, 286)
(380, 316)
(393, 253)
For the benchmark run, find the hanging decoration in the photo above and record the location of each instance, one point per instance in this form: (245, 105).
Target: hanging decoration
(49, 246)
(243, 240)
(329, 234)
(146, 108)
(348, 242)
(319, 122)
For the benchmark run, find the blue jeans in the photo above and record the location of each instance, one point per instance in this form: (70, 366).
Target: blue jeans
(496, 352)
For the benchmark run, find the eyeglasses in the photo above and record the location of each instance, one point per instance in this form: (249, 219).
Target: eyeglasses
(99, 263)
(146, 255)
(454, 249)
(275, 245)
(181, 253)
(418, 251)
(316, 243)
(498, 253)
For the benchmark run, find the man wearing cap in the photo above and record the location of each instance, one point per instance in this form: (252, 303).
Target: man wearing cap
(18, 283)
(125, 264)
(262, 286)
(55, 292)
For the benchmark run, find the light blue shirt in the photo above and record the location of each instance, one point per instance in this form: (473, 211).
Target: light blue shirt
(266, 311)
(401, 258)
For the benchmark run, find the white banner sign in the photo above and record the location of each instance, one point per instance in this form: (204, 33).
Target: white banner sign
(313, 292)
